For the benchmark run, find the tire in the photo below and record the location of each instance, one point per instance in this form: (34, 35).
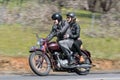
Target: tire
(84, 71)
(38, 65)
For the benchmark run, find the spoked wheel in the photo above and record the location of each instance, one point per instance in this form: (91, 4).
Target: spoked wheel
(39, 63)
(83, 71)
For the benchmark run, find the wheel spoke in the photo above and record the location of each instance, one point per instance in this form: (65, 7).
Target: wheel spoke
(40, 63)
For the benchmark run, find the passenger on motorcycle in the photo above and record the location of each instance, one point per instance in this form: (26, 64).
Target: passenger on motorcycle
(75, 33)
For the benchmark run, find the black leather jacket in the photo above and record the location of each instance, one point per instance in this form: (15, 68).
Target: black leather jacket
(75, 30)
(58, 31)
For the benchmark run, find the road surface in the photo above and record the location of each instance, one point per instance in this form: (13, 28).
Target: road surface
(62, 76)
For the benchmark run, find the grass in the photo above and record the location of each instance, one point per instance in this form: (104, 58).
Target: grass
(16, 40)
(107, 48)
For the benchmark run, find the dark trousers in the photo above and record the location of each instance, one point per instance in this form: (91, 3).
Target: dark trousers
(77, 44)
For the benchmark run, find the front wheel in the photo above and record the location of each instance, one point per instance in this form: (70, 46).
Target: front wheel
(39, 63)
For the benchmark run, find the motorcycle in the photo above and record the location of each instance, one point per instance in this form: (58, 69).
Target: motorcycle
(48, 55)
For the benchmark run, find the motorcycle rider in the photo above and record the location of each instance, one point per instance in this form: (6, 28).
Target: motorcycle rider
(59, 28)
(75, 33)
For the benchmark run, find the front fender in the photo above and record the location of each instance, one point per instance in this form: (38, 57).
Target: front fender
(34, 48)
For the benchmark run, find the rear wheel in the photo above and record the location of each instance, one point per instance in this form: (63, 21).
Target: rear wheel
(39, 63)
(83, 71)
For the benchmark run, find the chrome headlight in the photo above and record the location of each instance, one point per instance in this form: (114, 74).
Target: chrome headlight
(38, 43)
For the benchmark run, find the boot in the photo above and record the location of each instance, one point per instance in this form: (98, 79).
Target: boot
(71, 60)
(69, 56)
(82, 59)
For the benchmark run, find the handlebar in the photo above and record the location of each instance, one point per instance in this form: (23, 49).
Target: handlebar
(43, 39)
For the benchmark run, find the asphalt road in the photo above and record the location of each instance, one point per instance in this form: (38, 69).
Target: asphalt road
(62, 76)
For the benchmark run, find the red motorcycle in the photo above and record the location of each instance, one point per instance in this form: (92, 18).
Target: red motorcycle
(48, 55)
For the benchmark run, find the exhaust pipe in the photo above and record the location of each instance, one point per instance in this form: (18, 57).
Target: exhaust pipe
(77, 66)
(84, 66)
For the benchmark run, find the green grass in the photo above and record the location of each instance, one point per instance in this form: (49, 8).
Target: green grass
(107, 48)
(14, 40)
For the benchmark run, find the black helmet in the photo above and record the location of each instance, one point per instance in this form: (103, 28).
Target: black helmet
(71, 14)
(56, 16)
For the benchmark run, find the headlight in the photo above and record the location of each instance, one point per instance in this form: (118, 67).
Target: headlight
(38, 43)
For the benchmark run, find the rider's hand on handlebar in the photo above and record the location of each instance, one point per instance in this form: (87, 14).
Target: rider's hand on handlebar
(46, 40)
